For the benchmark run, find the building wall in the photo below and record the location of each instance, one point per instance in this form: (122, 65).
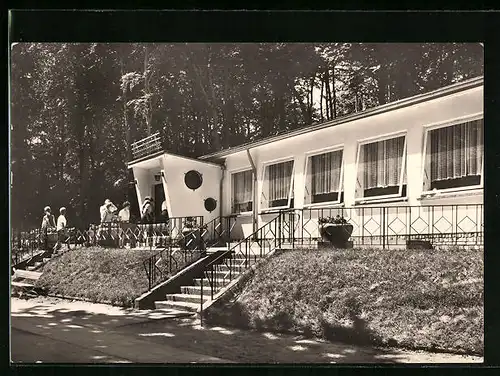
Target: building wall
(412, 121)
(181, 200)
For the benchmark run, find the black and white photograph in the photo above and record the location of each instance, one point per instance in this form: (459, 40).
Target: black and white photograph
(270, 203)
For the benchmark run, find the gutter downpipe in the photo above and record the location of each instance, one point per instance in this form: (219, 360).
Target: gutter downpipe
(223, 169)
(254, 206)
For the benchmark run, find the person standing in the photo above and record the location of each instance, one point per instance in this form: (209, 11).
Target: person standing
(48, 226)
(147, 217)
(147, 212)
(164, 211)
(107, 211)
(124, 219)
(61, 229)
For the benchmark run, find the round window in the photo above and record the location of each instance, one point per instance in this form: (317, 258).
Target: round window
(210, 204)
(193, 179)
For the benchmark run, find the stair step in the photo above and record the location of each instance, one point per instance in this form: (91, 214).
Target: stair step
(46, 259)
(188, 298)
(196, 290)
(31, 267)
(27, 274)
(235, 268)
(21, 284)
(206, 283)
(38, 263)
(181, 306)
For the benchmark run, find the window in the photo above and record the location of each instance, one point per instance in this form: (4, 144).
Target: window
(381, 169)
(324, 178)
(454, 156)
(242, 192)
(277, 188)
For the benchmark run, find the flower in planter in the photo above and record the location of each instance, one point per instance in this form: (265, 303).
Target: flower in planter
(338, 220)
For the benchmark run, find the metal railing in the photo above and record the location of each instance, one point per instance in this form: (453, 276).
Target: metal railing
(218, 231)
(221, 271)
(147, 146)
(171, 259)
(459, 225)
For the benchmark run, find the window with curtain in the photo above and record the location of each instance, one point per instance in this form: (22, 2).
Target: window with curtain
(323, 178)
(277, 189)
(381, 168)
(454, 156)
(242, 191)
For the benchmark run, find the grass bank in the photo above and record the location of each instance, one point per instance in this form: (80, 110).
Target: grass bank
(415, 299)
(103, 275)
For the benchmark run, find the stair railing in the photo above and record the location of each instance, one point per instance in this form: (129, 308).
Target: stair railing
(239, 257)
(218, 230)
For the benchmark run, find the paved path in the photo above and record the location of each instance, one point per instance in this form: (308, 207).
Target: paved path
(53, 330)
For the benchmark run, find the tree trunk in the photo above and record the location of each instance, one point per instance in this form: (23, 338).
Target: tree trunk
(321, 98)
(334, 94)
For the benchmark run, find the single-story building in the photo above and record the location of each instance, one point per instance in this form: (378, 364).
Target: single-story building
(410, 167)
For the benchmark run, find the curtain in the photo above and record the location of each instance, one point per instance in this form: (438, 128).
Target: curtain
(279, 177)
(242, 188)
(325, 172)
(456, 151)
(383, 162)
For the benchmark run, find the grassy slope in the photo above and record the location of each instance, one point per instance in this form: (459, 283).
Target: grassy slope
(101, 275)
(415, 299)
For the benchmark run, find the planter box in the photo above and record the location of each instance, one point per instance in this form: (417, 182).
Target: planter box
(336, 234)
(419, 244)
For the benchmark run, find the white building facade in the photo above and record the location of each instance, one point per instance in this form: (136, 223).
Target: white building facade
(410, 167)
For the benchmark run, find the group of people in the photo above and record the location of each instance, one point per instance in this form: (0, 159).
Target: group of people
(109, 213)
(50, 226)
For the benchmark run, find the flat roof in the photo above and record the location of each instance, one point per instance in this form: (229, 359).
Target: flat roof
(406, 102)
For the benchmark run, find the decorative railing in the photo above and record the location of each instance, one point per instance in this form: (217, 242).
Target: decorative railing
(147, 146)
(174, 257)
(113, 234)
(218, 231)
(459, 225)
(170, 260)
(221, 271)
(24, 244)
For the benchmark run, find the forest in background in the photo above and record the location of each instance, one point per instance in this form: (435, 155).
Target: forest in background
(76, 108)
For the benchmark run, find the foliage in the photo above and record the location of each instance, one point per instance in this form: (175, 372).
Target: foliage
(409, 298)
(338, 220)
(76, 108)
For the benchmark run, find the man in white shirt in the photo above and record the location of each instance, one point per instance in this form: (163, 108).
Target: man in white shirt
(61, 229)
(124, 218)
(124, 214)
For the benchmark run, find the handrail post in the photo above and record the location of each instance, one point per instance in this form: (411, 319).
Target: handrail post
(383, 228)
(201, 300)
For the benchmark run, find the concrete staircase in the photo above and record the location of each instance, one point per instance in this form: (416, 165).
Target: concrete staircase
(23, 282)
(189, 297)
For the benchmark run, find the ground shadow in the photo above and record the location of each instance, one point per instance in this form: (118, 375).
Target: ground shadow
(234, 345)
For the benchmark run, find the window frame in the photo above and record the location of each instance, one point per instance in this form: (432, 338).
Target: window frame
(370, 140)
(292, 181)
(231, 173)
(445, 124)
(327, 150)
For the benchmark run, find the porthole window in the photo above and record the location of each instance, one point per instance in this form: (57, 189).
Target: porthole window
(210, 204)
(193, 179)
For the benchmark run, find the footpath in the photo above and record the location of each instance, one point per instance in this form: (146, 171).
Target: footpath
(50, 330)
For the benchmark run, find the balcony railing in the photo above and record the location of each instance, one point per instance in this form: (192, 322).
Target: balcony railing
(147, 146)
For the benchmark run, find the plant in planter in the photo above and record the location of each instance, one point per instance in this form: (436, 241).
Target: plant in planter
(335, 230)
